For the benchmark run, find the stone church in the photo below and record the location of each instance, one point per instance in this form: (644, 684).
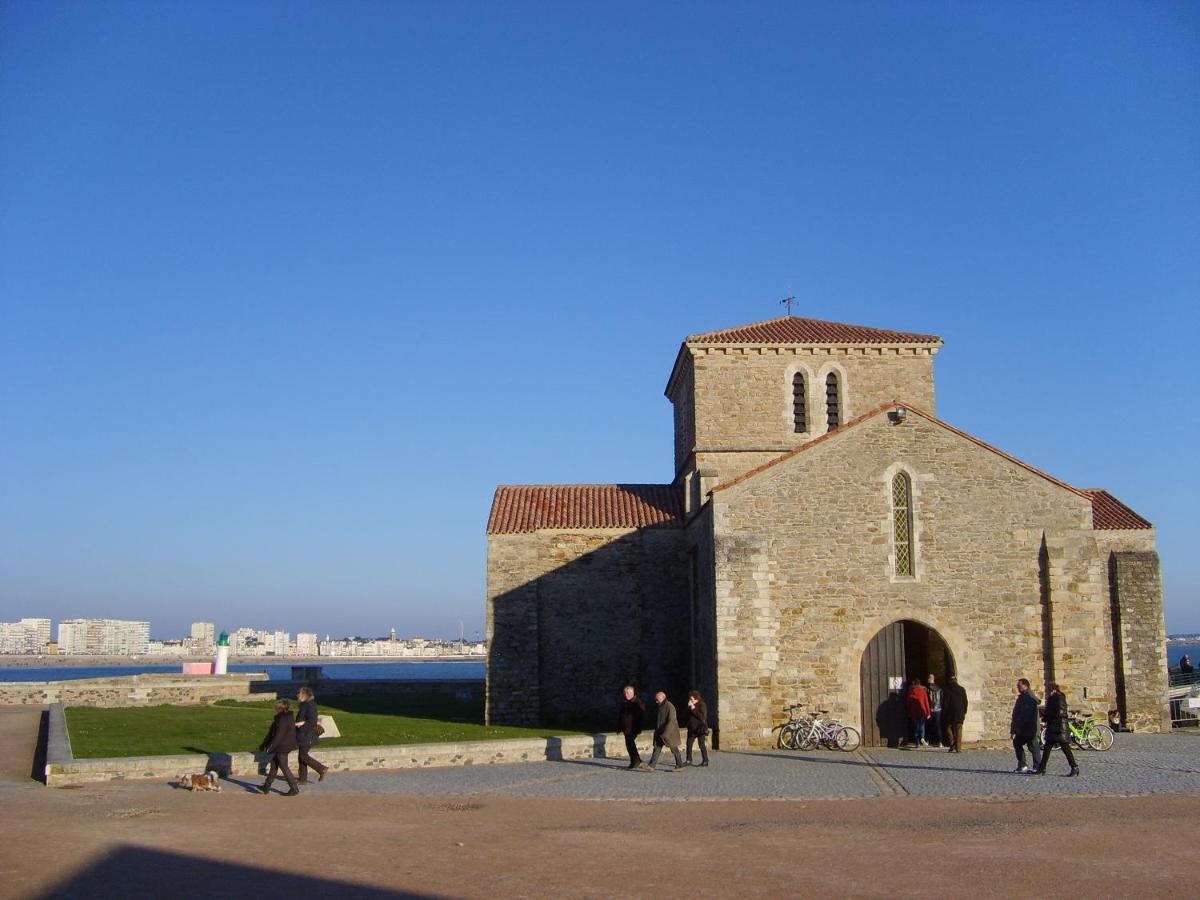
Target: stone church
(825, 534)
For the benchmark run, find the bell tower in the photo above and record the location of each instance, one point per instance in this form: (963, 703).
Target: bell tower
(743, 396)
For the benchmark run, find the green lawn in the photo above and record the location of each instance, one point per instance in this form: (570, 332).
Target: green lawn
(230, 727)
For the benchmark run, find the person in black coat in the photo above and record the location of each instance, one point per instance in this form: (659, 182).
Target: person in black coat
(697, 727)
(279, 742)
(629, 723)
(1024, 727)
(1058, 729)
(954, 712)
(306, 735)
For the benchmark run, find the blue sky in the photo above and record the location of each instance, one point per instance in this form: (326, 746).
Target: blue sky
(286, 290)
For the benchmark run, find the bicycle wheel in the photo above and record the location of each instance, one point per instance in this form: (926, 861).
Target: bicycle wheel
(787, 736)
(847, 738)
(805, 740)
(1100, 737)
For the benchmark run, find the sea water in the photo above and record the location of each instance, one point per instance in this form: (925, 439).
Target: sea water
(408, 670)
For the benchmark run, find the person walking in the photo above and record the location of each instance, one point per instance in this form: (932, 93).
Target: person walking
(917, 704)
(1024, 727)
(697, 727)
(933, 730)
(954, 712)
(1057, 729)
(666, 732)
(629, 723)
(279, 742)
(307, 735)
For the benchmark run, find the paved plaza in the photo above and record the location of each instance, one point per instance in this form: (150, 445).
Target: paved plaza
(1137, 764)
(748, 825)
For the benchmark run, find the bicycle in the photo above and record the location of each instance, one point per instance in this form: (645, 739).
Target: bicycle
(831, 734)
(1088, 734)
(788, 730)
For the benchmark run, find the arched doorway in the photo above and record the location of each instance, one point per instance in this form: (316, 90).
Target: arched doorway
(898, 653)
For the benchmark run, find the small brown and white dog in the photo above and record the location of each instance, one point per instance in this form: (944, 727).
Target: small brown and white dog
(206, 781)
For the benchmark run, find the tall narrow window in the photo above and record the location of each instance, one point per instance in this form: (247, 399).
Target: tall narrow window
(902, 522)
(799, 406)
(833, 406)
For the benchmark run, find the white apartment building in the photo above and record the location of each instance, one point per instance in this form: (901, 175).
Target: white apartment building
(25, 637)
(103, 637)
(306, 644)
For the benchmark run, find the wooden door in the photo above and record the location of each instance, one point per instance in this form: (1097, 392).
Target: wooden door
(883, 719)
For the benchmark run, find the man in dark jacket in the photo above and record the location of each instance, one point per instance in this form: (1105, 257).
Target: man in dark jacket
(954, 712)
(1058, 729)
(629, 723)
(666, 732)
(1024, 727)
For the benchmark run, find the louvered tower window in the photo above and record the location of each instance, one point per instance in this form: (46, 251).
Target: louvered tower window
(902, 522)
(799, 407)
(833, 406)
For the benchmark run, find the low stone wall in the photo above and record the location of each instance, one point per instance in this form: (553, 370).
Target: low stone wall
(133, 690)
(63, 769)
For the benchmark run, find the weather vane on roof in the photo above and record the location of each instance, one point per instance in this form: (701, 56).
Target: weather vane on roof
(788, 301)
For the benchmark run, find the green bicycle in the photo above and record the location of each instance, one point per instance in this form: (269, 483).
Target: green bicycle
(1087, 733)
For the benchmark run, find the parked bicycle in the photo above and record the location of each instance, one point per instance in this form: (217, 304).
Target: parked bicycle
(807, 732)
(1087, 733)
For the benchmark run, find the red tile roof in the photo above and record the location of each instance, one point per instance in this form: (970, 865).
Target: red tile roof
(523, 508)
(1110, 513)
(797, 330)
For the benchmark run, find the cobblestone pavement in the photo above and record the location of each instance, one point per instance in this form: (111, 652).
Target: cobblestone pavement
(1137, 764)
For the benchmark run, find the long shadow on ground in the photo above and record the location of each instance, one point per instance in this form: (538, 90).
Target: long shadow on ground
(129, 872)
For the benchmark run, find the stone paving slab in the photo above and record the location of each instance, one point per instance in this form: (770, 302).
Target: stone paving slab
(1138, 764)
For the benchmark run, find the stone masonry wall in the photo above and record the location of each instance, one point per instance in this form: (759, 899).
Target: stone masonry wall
(1143, 639)
(131, 690)
(743, 397)
(575, 615)
(805, 576)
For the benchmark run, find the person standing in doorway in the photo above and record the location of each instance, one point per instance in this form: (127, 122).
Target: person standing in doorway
(934, 730)
(954, 712)
(917, 704)
(306, 734)
(1057, 729)
(629, 723)
(697, 727)
(1024, 727)
(666, 732)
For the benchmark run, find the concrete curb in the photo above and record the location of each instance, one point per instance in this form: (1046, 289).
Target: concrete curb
(63, 769)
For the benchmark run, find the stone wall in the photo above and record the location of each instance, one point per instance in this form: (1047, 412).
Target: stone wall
(1142, 648)
(741, 398)
(133, 690)
(805, 577)
(575, 615)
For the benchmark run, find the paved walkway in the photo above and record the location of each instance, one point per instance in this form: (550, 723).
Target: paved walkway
(1137, 764)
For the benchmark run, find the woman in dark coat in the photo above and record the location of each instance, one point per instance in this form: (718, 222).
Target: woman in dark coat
(279, 742)
(306, 734)
(697, 726)
(1058, 730)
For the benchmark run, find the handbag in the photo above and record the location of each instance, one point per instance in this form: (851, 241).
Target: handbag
(319, 728)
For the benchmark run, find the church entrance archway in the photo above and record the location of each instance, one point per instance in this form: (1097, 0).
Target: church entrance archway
(898, 653)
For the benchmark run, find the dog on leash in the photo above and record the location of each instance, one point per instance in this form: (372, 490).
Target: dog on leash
(204, 781)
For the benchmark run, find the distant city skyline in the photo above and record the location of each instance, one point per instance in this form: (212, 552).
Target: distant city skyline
(285, 297)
